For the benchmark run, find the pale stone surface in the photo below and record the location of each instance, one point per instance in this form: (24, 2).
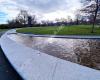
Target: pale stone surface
(34, 65)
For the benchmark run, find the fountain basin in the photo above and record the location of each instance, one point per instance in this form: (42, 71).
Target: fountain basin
(33, 64)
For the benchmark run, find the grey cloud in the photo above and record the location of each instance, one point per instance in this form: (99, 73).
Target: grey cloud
(39, 7)
(44, 5)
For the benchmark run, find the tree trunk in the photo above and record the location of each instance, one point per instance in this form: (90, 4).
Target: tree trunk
(95, 15)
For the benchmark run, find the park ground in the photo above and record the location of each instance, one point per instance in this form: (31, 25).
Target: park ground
(3, 30)
(62, 30)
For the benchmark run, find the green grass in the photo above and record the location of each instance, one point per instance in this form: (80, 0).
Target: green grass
(65, 30)
(3, 30)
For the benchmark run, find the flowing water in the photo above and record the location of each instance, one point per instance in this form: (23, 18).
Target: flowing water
(82, 51)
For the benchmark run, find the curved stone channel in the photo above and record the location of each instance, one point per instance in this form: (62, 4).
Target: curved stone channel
(82, 51)
(6, 70)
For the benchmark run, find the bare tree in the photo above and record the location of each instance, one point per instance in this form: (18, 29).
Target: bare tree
(78, 16)
(23, 19)
(92, 9)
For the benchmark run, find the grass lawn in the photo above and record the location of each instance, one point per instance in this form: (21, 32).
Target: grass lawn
(3, 30)
(64, 30)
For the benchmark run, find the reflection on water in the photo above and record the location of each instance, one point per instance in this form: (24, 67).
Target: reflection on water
(82, 51)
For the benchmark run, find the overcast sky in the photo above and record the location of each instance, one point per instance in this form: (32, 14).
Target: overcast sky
(44, 9)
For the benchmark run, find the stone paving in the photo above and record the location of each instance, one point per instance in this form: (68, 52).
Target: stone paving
(6, 70)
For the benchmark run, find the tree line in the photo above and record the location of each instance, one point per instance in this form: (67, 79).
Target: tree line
(88, 14)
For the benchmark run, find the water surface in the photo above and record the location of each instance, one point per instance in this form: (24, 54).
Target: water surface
(82, 51)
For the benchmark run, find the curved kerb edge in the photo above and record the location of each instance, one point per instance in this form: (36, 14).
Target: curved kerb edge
(63, 36)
